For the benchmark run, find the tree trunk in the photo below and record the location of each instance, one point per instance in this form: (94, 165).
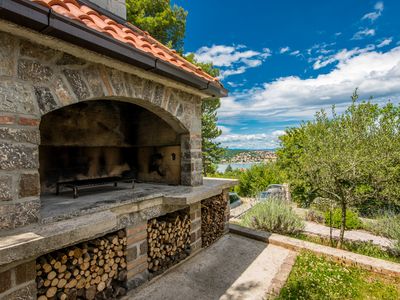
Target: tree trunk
(330, 228)
(343, 225)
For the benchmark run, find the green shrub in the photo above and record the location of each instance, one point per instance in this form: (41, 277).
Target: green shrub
(258, 177)
(352, 219)
(275, 216)
(387, 226)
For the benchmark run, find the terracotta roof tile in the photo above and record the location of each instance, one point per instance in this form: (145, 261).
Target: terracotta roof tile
(126, 33)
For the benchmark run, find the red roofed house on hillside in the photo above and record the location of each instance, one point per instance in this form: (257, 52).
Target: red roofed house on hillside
(101, 184)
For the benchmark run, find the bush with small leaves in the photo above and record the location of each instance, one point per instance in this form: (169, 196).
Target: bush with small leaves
(273, 215)
(352, 219)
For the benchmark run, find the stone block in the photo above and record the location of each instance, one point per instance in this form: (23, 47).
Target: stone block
(132, 253)
(45, 99)
(94, 80)
(148, 90)
(117, 81)
(19, 214)
(137, 228)
(20, 135)
(28, 121)
(7, 120)
(5, 281)
(137, 280)
(134, 86)
(33, 71)
(29, 185)
(77, 84)
(8, 50)
(62, 92)
(6, 193)
(158, 94)
(27, 292)
(13, 157)
(16, 97)
(67, 59)
(137, 238)
(143, 248)
(37, 51)
(25, 272)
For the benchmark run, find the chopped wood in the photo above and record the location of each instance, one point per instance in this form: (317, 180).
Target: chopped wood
(92, 270)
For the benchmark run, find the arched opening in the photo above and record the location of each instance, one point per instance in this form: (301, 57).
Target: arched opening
(106, 138)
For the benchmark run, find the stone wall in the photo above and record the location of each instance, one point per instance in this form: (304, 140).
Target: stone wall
(35, 80)
(19, 282)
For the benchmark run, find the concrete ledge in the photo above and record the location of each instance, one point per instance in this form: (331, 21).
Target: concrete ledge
(30, 242)
(211, 187)
(353, 259)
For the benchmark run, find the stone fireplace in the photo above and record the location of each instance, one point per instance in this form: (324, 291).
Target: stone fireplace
(102, 138)
(78, 104)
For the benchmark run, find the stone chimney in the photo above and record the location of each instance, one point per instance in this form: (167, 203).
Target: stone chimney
(117, 7)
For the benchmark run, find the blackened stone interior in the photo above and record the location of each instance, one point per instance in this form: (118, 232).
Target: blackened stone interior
(103, 138)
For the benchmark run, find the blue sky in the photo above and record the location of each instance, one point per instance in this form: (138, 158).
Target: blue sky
(284, 60)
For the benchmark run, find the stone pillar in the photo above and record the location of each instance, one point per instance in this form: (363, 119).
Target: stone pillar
(191, 161)
(137, 255)
(195, 229)
(19, 162)
(225, 195)
(19, 282)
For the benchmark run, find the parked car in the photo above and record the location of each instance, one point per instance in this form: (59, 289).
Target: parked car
(272, 191)
(234, 200)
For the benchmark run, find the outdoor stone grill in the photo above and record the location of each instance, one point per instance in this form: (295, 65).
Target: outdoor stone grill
(77, 106)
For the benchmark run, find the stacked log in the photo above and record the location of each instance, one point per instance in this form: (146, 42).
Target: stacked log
(90, 270)
(212, 219)
(168, 239)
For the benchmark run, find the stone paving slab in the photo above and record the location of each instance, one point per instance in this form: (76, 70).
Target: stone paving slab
(353, 235)
(350, 258)
(233, 268)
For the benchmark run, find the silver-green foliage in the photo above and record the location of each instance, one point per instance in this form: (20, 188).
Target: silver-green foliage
(388, 226)
(273, 215)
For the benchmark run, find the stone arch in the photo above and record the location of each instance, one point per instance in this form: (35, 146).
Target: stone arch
(70, 85)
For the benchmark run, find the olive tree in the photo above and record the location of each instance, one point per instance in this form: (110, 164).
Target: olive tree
(352, 157)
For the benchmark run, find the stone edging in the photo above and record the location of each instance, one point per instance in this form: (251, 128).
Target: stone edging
(349, 258)
(282, 276)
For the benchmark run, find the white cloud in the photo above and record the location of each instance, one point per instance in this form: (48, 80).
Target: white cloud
(224, 129)
(284, 50)
(385, 42)
(372, 16)
(295, 53)
(341, 56)
(292, 98)
(251, 141)
(232, 59)
(359, 35)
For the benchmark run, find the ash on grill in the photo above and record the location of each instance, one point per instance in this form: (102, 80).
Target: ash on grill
(168, 240)
(212, 219)
(90, 270)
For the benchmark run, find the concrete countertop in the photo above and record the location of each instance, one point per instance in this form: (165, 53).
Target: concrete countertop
(67, 221)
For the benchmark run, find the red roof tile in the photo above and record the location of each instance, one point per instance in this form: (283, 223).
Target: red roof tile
(126, 33)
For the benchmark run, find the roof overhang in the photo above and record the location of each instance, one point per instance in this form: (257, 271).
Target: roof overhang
(39, 18)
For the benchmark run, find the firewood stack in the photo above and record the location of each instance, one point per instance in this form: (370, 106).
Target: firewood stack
(90, 270)
(168, 240)
(212, 219)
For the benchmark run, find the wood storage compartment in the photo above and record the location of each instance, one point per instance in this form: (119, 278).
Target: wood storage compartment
(91, 270)
(168, 240)
(212, 219)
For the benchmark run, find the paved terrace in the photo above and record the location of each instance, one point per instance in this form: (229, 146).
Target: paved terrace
(233, 268)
